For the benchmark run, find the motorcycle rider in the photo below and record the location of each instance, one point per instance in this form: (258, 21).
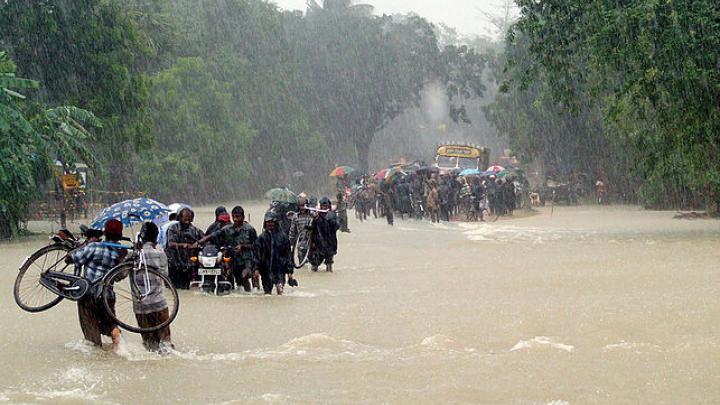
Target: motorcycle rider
(240, 236)
(222, 218)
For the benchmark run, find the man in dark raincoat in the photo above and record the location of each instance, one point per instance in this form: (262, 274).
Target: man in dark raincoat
(181, 238)
(404, 192)
(509, 195)
(323, 239)
(273, 258)
(444, 195)
(221, 219)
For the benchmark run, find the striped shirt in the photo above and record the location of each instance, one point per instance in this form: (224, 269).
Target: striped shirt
(150, 299)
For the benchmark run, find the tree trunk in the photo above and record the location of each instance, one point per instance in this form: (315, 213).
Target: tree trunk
(362, 148)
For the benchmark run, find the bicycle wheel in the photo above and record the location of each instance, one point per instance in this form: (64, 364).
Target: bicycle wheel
(127, 288)
(29, 294)
(296, 253)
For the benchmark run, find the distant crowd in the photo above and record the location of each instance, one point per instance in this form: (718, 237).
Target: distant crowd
(433, 196)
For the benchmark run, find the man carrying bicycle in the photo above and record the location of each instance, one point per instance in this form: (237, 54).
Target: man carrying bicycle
(300, 229)
(98, 258)
(153, 308)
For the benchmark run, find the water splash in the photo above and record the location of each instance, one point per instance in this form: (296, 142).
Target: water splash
(540, 342)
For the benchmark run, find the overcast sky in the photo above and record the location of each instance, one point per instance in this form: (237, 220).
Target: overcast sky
(465, 15)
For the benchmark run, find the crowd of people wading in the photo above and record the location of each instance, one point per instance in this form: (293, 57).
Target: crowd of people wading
(423, 192)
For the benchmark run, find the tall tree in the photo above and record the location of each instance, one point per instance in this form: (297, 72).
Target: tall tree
(361, 71)
(86, 54)
(653, 67)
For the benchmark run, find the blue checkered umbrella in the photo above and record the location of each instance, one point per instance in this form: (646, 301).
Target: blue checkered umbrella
(470, 172)
(130, 211)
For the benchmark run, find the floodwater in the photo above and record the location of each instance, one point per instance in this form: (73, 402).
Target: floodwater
(587, 305)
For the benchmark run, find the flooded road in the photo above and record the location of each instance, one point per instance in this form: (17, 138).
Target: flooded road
(589, 305)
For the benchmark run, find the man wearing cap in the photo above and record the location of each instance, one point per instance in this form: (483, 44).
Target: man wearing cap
(98, 258)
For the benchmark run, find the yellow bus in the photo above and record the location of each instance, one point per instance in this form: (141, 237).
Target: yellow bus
(460, 157)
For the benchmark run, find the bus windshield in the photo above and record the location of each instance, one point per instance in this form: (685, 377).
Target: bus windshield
(468, 163)
(446, 161)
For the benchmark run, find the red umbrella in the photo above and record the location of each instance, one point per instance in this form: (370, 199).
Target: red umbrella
(381, 174)
(341, 171)
(495, 168)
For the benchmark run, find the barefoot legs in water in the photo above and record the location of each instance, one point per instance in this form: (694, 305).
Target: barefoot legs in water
(116, 339)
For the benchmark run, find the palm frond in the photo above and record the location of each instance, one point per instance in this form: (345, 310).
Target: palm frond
(14, 118)
(8, 80)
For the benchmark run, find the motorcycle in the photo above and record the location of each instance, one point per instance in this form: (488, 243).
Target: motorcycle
(213, 268)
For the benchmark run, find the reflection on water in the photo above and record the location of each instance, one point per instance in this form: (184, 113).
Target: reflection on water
(584, 305)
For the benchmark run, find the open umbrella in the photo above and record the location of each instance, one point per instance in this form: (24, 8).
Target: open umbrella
(172, 208)
(393, 171)
(130, 211)
(495, 168)
(470, 172)
(380, 174)
(282, 195)
(341, 171)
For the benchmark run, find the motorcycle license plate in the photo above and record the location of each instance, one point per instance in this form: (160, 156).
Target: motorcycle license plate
(209, 272)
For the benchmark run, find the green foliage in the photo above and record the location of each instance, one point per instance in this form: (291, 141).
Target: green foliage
(86, 54)
(63, 135)
(16, 168)
(203, 144)
(209, 100)
(28, 147)
(361, 71)
(648, 67)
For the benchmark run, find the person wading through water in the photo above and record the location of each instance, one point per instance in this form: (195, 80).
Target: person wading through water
(273, 255)
(324, 227)
(98, 258)
(181, 237)
(153, 309)
(341, 210)
(433, 202)
(299, 230)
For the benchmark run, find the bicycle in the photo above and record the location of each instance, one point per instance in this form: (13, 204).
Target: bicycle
(44, 279)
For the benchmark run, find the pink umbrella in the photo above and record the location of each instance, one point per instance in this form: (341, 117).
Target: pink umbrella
(495, 168)
(381, 174)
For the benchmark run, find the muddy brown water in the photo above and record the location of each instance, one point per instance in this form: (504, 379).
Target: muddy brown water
(587, 305)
